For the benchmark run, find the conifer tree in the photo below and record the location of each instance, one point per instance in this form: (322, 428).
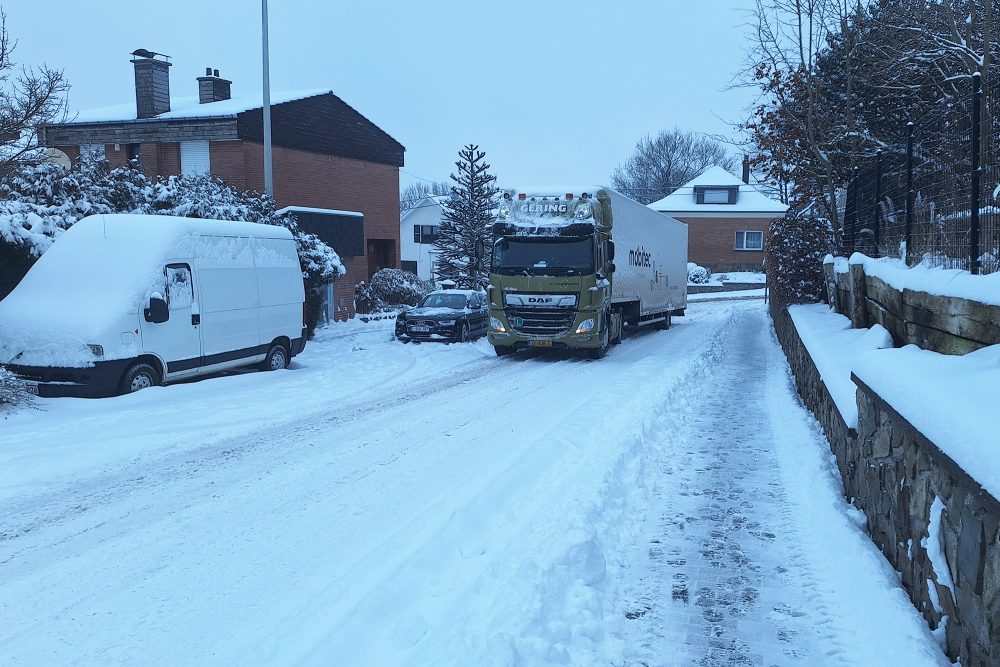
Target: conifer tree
(463, 239)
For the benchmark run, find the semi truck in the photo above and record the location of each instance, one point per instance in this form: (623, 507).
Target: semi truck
(572, 266)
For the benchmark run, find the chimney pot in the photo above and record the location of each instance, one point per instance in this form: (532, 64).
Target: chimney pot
(216, 73)
(208, 71)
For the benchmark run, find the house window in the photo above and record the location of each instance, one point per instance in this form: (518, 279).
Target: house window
(194, 158)
(425, 233)
(408, 266)
(717, 196)
(749, 240)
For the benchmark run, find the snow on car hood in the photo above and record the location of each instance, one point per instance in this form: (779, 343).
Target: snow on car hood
(436, 312)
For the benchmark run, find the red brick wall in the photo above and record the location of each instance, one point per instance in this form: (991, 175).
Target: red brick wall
(712, 243)
(320, 181)
(116, 158)
(170, 159)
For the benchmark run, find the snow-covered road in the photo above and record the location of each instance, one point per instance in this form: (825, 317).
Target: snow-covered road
(384, 504)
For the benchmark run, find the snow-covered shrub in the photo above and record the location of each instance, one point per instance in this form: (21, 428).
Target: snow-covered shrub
(12, 389)
(698, 275)
(388, 289)
(793, 259)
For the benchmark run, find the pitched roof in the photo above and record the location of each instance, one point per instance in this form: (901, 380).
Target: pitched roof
(424, 202)
(189, 107)
(750, 199)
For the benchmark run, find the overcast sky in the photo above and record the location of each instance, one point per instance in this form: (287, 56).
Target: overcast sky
(553, 91)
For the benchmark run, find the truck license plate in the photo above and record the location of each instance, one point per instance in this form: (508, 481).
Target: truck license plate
(420, 329)
(31, 388)
(540, 343)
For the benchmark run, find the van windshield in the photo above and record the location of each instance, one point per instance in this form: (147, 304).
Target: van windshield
(556, 256)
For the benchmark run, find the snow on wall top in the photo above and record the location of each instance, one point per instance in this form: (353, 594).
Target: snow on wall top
(99, 271)
(750, 199)
(950, 399)
(933, 280)
(189, 107)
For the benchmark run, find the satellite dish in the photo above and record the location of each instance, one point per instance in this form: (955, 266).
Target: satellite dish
(57, 156)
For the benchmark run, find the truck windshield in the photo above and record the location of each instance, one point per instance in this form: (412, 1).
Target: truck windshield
(569, 256)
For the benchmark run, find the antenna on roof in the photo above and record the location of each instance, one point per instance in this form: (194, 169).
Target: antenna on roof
(145, 53)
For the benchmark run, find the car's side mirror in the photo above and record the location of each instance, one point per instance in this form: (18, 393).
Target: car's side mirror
(157, 313)
(611, 268)
(611, 251)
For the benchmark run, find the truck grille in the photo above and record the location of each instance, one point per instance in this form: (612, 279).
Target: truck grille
(541, 321)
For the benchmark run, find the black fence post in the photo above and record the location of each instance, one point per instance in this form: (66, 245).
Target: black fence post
(878, 202)
(907, 252)
(975, 265)
(854, 216)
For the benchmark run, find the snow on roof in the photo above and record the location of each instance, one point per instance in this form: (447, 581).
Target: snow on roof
(558, 190)
(189, 107)
(424, 202)
(323, 211)
(750, 200)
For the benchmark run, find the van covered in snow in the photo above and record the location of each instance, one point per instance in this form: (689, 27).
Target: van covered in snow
(124, 302)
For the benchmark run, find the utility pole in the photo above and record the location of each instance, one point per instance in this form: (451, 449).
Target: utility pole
(268, 179)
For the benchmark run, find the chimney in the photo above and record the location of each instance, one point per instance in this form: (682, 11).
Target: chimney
(211, 88)
(746, 169)
(152, 83)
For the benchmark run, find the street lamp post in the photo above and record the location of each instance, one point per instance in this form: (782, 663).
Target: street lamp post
(268, 179)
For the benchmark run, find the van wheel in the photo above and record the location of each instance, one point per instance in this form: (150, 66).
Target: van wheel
(139, 376)
(276, 359)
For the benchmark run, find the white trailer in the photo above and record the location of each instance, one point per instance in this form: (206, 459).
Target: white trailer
(123, 302)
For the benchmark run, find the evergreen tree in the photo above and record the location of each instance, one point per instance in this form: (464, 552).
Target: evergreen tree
(464, 237)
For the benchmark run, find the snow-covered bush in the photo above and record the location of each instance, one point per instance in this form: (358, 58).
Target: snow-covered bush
(698, 275)
(12, 389)
(389, 288)
(793, 259)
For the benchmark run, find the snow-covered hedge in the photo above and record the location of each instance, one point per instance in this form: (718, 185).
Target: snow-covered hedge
(698, 275)
(388, 288)
(39, 202)
(793, 259)
(12, 389)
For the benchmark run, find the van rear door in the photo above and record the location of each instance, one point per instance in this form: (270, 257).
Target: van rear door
(178, 340)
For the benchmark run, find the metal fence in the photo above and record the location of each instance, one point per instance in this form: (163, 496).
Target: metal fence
(933, 198)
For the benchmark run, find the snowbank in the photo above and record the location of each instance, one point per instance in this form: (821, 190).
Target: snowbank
(834, 347)
(950, 399)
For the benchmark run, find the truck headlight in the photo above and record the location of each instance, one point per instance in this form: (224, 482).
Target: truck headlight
(497, 325)
(97, 350)
(583, 211)
(585, 326)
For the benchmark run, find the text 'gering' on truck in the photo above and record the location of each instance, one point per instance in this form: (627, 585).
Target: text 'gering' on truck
(571, 266)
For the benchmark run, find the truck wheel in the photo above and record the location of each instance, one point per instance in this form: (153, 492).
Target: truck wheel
(503, 350)
(601, 350)
(276, 359)
(139, 376)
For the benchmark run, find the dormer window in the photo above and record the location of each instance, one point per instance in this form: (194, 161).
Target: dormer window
(716, 194)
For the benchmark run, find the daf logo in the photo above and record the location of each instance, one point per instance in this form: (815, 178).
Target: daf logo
(540, 299)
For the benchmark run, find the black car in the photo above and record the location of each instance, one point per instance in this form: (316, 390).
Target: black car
(445, 315)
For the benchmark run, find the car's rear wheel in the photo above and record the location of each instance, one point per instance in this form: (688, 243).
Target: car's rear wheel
(138, 377)
(276, 359)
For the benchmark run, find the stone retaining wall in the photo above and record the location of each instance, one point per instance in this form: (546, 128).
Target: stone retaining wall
(893, 474)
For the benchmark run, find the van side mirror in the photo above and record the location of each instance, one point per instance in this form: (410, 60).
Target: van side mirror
(611, 268)
(157, 313)
(611, 251)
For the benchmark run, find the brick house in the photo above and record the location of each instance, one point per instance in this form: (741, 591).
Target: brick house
(727, 219)
(326, 156)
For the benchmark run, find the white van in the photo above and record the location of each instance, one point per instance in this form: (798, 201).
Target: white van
(124, 302)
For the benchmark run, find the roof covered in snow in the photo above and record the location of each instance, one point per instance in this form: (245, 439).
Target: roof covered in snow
(189, 107)
(749, 200)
